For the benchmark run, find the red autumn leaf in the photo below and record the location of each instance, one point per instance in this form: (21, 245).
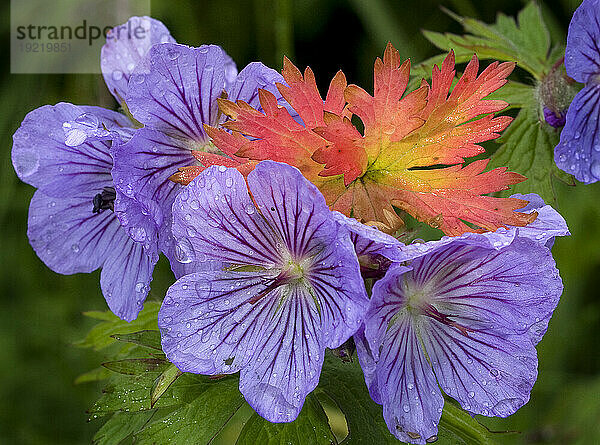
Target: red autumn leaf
(412, 149)
(185, 175)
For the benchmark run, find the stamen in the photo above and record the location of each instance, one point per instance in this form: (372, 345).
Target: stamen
(279, 280)
(104, 200)
(432, 312)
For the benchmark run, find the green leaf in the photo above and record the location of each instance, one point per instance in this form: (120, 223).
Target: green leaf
(147, 338)
(136, 366)
(93, 375)
(311, 427)
(99, 336)
(101, 315)
(121, 427)
(199, 421)
(458, 427)
(525, 41)
(528, 148)
(516, 94)
(345, 384)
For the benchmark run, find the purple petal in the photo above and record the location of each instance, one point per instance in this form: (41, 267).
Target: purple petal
(175, 88)
(141, 172)
(254, 76)
(582, 56)
(215, 223)
(67, 236)
(507, 291)
(82, 128)
(41, 157)
(231, 72)
(486, 373)
(406, 385)
(126, 276)
(135, 216)
(578, 152)
(497, 240)
(208, 326)
(368, 364)
(291, 205)
(548, 225)
(370, 241)
(125, 46)
(91, 126)
(553, 118)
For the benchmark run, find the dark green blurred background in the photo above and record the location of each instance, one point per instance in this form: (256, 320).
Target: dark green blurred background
(40, 312)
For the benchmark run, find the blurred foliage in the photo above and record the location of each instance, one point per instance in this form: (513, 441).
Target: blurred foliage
(41, 313)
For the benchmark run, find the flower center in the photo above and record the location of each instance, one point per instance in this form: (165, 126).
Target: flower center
(419, 301)
(415, 301)
(294, 272)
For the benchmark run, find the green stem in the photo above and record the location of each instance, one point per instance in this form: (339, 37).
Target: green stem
(284, 29)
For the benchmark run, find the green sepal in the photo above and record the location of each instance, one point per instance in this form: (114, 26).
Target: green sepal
(163, 382)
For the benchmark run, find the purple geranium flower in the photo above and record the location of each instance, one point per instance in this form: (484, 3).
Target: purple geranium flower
(65, 152)
(462, 313)
(275, 282)
(174, 93)
(578, 152)
(71, 226)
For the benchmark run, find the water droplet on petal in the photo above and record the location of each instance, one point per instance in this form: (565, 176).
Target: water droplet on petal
(75, 248)
(140, 287)
(184, 252)
(595, 169)
(117, 75)
(139, 79)
(173, 53)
